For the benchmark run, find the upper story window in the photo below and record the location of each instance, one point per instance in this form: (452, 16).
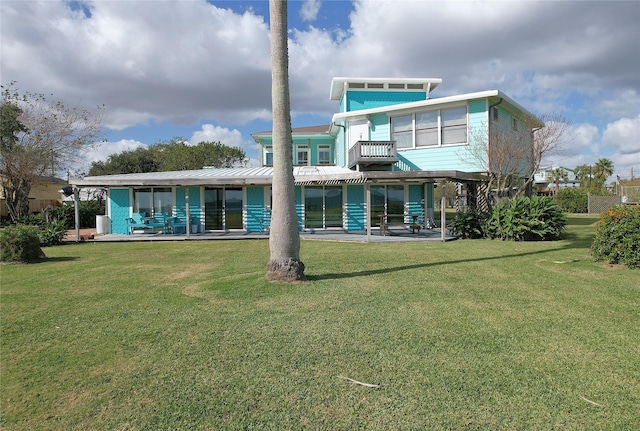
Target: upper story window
(324, 154)
(302, 155)
(268, 156)
(454, 125)
(427, 129)
(402, 131)
(430, 128)
(356, 85)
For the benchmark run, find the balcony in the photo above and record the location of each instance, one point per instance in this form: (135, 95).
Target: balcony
(368, 153)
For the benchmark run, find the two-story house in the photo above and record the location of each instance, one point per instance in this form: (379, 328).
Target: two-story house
(383, 152)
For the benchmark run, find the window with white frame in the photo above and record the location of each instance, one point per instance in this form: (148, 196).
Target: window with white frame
(324, 154)
(432, 128)
(302, 155)
(454, 125)
(402, 131)
(268, 156)
(427, 129)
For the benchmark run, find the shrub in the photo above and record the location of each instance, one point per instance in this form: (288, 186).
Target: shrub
(617, 237)
(526, 219)
(20, 243)
(53, 233)
(468, 224)
(573, 200)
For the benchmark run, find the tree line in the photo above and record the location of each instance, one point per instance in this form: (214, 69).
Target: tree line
(175, 155)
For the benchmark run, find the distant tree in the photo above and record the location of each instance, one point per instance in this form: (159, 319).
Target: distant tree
(39, 138)
(558, 174)
(174, 155)
(602, 170)
(583, 174)
(284, 238)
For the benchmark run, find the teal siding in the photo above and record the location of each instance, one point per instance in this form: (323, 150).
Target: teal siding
(119, 209)
(379, 127)
(454, 157)
(414, 201)
(255, 209)
(355, 208)
(195, 207)
(478, 121)
(299, 207)
(359, 100)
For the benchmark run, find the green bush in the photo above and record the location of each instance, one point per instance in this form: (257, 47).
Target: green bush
(526, 219)
(468, 224)
(617, 237)
(53, 233)
(20, 243)
(573, 200)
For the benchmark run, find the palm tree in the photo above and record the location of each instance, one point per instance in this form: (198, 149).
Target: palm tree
(603, 169)
(558, 174)
(284, 237)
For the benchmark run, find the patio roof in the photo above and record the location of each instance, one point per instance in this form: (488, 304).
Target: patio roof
(303, 175)
(222, 176)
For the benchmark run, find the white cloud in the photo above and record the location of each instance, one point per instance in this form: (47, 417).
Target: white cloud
(212, 133)
(309, 10)
(623, 135)
(102, 150)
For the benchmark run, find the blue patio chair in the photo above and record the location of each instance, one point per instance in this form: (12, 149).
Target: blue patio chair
(176, 225)
(131, 225)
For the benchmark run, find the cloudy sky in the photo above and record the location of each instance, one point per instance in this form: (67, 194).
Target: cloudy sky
(201, 70)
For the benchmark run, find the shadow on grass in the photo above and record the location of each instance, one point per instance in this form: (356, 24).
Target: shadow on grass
(573, 241)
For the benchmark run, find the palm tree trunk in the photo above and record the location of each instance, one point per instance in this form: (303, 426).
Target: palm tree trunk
(284, 237)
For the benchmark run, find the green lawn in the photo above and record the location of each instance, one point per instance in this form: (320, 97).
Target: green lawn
(190, 336)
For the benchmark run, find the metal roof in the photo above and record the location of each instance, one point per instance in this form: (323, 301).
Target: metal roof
(303, 175)
(222, 176)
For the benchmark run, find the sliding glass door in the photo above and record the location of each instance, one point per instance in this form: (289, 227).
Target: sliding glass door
(223, 208)
(323, 207)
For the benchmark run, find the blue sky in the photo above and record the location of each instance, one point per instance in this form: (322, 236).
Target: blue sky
(201, 70)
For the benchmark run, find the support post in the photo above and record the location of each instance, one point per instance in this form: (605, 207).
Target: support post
(76, 204)
(443, 214)
(186, 200)
(367, 204)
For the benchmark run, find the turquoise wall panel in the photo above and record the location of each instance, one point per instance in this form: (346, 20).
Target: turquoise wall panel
(379, 127)
(414, 201)
(299, 207)
(119, 209)
(255, 209)
(195, 207)
(181, 204)
(355, 208)
(359, 100)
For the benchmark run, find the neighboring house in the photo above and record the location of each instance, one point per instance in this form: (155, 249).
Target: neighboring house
(382, 153)
(545, 184)
(46, 192)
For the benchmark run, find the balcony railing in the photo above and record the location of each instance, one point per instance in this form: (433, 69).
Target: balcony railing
(365, 153)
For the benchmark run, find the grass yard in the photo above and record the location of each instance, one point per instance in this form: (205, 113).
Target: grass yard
(190, 336)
